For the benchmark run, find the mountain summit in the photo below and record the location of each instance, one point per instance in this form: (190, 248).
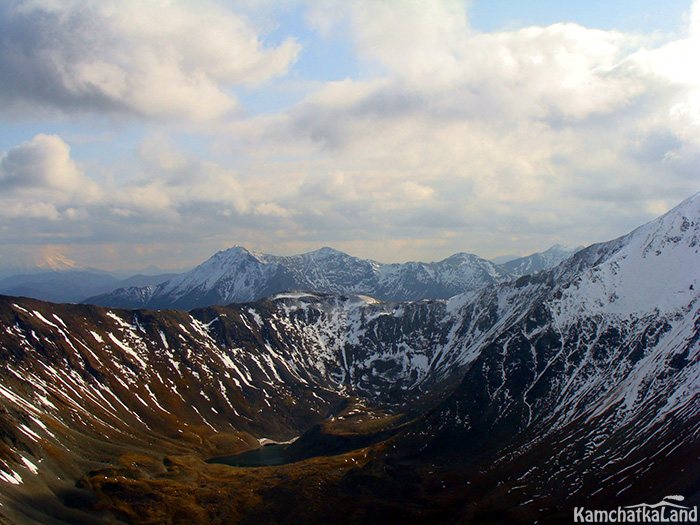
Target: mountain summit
(239, 275)
(540, 261)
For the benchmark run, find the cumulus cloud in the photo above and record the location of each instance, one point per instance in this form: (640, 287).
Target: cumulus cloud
(153, 59)
(437, 60)
(171, 197)
(560, 128)
(447, 140)
(174, 180)
(38, 177)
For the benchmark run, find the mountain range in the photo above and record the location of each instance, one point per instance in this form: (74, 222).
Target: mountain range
(239, 275)
(516, 402)
(71, 286)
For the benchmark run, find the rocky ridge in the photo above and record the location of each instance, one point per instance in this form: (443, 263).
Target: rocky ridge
(515, 402)
(239, 275)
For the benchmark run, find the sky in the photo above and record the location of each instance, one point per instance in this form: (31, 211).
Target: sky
(136, 133)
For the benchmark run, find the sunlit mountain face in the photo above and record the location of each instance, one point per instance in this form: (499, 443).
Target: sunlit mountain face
(518, 401)
(239, 275)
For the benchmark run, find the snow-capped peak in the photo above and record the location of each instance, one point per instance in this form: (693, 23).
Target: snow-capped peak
(239, 275)
(656, 266)
(326, 251)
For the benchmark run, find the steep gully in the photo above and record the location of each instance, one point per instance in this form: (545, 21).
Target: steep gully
(515, 402)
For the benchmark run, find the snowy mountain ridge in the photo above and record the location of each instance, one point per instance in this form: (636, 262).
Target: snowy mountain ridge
(538, 262)
(606, 344)
(239, 275)
(574, 385)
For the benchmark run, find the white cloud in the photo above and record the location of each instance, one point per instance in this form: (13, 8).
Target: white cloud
(560, 118)
(29, 210)
(153, 59)
(409, 38)
(42, 169)
(416, 192)
(431, 53)
(271, 209)
(173, 180)
(446, 140)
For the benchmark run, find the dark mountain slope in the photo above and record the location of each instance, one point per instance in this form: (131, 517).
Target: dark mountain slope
(85, 387)
(596, 374)
(512, 403)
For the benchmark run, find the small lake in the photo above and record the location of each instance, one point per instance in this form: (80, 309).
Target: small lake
(266, 456)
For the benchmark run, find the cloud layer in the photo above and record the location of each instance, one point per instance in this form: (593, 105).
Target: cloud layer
(39, 179)
(152, 59)
(447, 140)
